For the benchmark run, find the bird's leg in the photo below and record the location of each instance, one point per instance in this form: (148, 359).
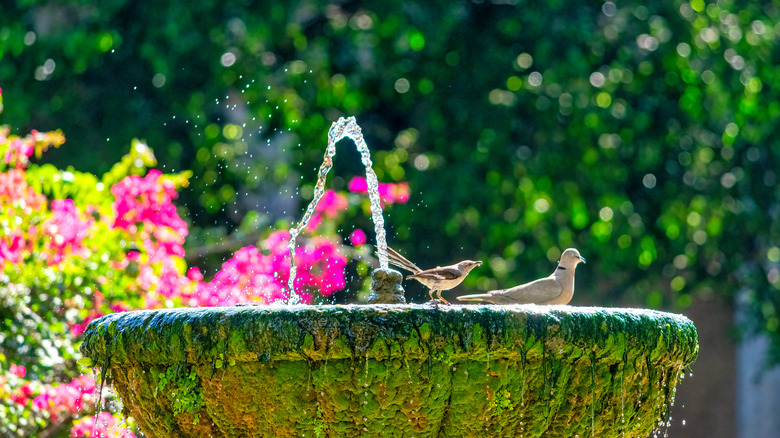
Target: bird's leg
(432, 294)
(442, 298)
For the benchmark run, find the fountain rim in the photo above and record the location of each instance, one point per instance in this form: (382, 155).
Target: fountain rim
(556, 309)
(296, 332)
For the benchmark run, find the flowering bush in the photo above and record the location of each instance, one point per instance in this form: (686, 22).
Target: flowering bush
(74, 247)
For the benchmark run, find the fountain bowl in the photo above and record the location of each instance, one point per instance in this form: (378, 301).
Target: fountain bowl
(394, 370)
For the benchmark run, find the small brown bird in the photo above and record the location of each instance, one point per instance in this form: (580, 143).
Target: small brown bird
(558, 288)
(436, 279)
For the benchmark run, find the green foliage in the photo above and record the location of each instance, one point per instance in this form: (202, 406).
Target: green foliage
(184, 390)
(135, 162)
(320, 426)
(501, 401)
(221, 361)
(38, 342)
(640, 132)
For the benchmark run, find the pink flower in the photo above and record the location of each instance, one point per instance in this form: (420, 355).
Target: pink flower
(247, 277)
(120, 307)
(358, 238)
(194, 274)
(402, 192)
(358, 184)
(332, 204)
(65, 230)
(389, 193)
(104, 426)
(147, 200)
(13, 187)
(170, 282)
(251, 276)
(18, 370)
(77, 329)
(18, 150)
(11, 248)
(314, 222)
(320, 266)
(277, 242)
(21, 395)
(67, 398)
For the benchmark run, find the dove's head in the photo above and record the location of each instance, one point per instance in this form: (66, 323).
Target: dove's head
(467, 265)
(570, 258)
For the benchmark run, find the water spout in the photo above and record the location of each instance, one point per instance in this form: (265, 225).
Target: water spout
(342, 128)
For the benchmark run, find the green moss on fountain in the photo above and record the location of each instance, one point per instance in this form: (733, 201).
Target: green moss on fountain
(396, 371)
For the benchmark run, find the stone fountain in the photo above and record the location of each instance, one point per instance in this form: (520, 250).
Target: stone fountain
(393, 370)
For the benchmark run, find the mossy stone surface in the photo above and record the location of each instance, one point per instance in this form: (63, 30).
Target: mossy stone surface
(396, 370)
(386, 287)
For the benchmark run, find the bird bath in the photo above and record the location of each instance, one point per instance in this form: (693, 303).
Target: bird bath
(393, 370)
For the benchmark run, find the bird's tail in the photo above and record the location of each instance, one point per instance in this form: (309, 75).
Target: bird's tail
(475, 297)
(400, 261)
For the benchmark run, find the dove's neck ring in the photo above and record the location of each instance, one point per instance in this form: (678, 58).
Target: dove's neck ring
(561, 267)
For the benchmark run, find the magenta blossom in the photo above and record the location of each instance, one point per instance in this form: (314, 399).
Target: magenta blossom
(65, 230)
(332, 204)
(320, 266)
(246, 277)
(66, 399)
(389, 193)
(148, 199)
(358, 238)
(104, 425)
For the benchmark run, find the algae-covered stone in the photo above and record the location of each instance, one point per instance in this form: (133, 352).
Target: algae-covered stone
(395, 370)
(386, 287)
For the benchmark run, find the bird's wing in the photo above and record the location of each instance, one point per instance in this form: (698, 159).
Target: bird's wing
(538, 291)
(400, 261)
(439, 273)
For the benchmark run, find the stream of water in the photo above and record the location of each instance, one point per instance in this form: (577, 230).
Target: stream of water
(340, 129)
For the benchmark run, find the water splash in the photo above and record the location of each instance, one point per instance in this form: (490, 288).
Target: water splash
(340, 129)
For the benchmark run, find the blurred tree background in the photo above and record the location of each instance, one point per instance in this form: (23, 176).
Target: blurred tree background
(639, 132)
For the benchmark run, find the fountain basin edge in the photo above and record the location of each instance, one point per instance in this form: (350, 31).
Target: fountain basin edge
(394, 370)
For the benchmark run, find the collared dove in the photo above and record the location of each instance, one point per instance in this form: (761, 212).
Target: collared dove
(558, 288)
(436, 279)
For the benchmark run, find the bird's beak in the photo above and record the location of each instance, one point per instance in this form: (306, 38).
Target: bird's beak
(582, 258)
(478, 263)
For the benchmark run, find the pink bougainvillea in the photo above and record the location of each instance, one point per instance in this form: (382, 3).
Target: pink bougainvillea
(246, 277)
(65, 230)
(320, 267)
(103, 425)
(358, 238)
(87, 256)
(17, 150)
(332, 204)
(66, 399)
(14, 192)
(251, 276)
(11, 248)
(389, 193)
(147, 200)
